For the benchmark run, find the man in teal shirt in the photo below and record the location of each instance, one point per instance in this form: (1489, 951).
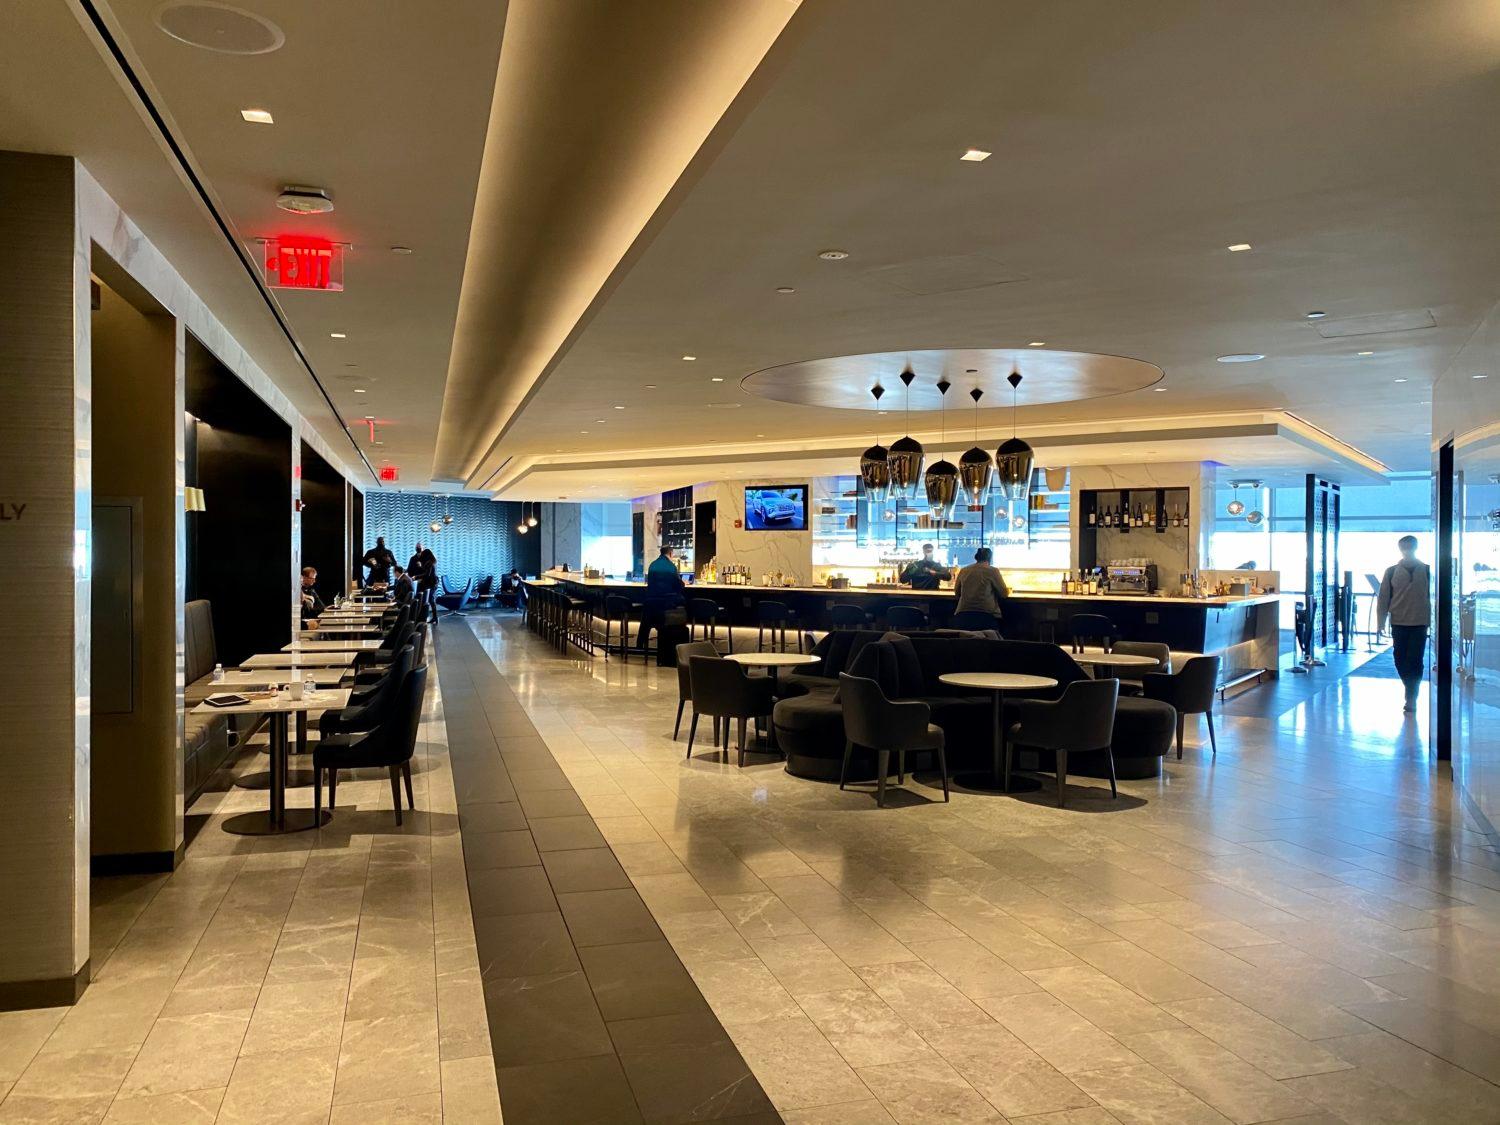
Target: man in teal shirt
(663, 592)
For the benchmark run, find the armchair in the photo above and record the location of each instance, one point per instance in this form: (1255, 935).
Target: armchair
(874, 722)
(1082, 719)
(1190, 690)
(722, 689)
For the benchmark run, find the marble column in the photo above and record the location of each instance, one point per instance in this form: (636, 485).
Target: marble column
(45, 480)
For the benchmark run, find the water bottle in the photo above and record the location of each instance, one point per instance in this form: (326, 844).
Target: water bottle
(218, 673)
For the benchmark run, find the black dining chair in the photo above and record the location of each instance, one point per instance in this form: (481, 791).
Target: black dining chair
(703, 613)
(370, 704)
(905, 617)
(685, 680)
(876, 723)
(1081, 720)
(722, 689)
(391, 744)
(1130, 681)
(1092, 628)
(1191, 690)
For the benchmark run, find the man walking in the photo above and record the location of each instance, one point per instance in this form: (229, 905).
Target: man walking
(1406, 598)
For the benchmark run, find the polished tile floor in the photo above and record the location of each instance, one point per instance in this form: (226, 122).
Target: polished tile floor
(1304, 930)
(325, 977)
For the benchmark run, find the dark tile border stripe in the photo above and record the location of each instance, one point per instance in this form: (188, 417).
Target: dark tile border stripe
(593, 1017)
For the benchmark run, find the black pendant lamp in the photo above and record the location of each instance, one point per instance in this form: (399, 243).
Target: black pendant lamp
(1013, 460)
(874, 467)
(941, 480)
(905, 456)
(975, 467)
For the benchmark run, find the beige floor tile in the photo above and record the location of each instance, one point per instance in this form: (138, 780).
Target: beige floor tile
(920, 996)
(1143, 1095)
(420, 1109)
(927, 1090)
(22, 1035)
(470, 1094)
(68, 1086)
(1143, 973)
(388, 1057)
(306, 1013)
(1262, 1042)
(743, 990)
(1455, 1092)
(1012, 1077)
(1103, 1001)
(111, 1014)
(761, 915)
(804, 965)
(382, 986)
(796, 1066)
(1058, 1033)
(187, 1053)
(1218, 1077)
(862, 1027)
(868, 1111)
(294, 1087)
(973, 969)
(1359, 1096)
(185, 1107)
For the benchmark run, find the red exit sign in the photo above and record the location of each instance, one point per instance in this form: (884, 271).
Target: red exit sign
(390, 472)
(304, 263)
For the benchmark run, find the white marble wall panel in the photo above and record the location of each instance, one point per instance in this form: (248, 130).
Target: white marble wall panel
(1173, 551)
(562, 536)
(789, 552)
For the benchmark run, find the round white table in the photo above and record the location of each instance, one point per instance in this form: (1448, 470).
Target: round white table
(1110, 662)
(998, 683)
(772, 662)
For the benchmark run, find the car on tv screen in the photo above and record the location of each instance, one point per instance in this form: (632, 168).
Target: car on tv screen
(778, 508)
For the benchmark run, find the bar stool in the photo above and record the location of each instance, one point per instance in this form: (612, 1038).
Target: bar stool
(775, 616)
(704, 612)
(906, 617)
(845, 616)
(1086, 627)
(579, 623)
(619, 608)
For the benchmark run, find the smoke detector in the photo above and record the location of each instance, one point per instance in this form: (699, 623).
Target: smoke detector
(304, 200)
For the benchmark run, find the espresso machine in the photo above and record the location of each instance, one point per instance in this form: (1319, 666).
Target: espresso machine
(1137, 579)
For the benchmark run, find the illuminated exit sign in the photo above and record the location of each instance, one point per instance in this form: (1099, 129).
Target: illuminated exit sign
(304, 263)
(390, 473)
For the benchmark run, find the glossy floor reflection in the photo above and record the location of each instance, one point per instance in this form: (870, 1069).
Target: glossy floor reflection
(321, 977)
(1305, 929)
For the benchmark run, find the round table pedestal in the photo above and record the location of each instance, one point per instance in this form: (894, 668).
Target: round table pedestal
(261, 779)
(261, 824)
(982, 781)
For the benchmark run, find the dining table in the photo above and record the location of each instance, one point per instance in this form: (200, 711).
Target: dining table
(277, 708)
(997, 684)
(331, 646)
(1109, 663)
(298, 659)
(772, 662)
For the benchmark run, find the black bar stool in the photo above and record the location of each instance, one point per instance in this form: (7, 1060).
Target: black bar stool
(704, 613)
(846, 616)
(906, 617)
(1085, 628)
(618, 608)
(775, 617)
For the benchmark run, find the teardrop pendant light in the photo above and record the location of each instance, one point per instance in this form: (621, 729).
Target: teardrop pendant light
(975, 467)
(941, 480)
(905, 455)
(524, 525)
(1014, 458)
(874, 466)
(448, 515)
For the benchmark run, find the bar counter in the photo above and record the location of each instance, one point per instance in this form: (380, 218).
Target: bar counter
(1244, 631)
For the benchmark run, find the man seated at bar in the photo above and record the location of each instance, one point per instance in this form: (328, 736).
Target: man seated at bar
(379, 559)
(979, 588)
(664, 588)
(312, 604)
(402, 588)
(925, 573)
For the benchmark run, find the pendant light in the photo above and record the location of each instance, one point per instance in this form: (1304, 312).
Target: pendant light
(1236, 506)
(1014, 457)
(448, 515)
(905, 455)
(941, 480)
(435, 526)
(975, 467)
(531, 520)
(874, 466)
(524, 525)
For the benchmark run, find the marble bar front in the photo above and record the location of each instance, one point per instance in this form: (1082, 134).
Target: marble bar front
(1243, 631)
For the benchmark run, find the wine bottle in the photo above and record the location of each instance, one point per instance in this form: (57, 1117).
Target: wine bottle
(1093, 518)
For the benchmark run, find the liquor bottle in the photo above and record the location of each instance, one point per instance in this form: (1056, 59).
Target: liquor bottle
(1135, 520)
(1093, 518)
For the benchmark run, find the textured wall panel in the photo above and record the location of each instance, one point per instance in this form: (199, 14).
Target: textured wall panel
(479, 542)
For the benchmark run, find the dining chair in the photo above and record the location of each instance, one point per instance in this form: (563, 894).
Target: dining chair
(1191, 690)
(391, 744)
(876, 723)
(1081, 720)
(685, 680)
(722, 689)
(1161, 653)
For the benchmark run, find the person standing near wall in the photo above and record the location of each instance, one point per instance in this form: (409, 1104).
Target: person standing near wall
(379, 559)
(1406, 598)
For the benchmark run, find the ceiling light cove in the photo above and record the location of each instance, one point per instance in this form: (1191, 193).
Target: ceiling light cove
(785, 289)
(258, 116)
(976, 155)
(1241, 357)
(401, 249)
(1037, 344)
(1238, 247)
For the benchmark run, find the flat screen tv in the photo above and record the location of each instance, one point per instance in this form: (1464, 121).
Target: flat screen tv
(776, 507)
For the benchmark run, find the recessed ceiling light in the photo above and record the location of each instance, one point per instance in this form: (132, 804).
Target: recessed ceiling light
(1316, 314)
(1160, 390)
(689, 358)
(976, 155)
(1481, 376)
(258, 116)
(785, 289)
(359, 390)
(401, 250)
(833, 255)
(716, 379)
(380, 443)
(1037, 344)
(583, 431)
(369, 417)
(619, 408)
(760, 435)
(1238, 246)
(1400, 380)
(1363, 354)
(1242, 357)
(338, 335)
(598, 419)
(651, 386)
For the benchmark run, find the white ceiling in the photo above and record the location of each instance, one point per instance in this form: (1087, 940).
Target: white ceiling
(1348, 143)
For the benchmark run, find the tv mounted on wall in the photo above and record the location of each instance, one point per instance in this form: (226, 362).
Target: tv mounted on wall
(776, 507)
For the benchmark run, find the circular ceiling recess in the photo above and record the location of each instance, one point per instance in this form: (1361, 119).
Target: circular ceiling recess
(218, 27)
(844, 382)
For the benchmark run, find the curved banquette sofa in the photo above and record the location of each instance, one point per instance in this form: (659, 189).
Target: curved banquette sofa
(810, 724)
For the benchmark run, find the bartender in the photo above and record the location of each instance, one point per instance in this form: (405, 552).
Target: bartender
(924, 573)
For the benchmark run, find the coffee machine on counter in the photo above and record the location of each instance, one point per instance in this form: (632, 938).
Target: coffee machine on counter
(1131, 578)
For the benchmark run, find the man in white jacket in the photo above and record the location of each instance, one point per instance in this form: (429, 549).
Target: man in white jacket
(1406, 598)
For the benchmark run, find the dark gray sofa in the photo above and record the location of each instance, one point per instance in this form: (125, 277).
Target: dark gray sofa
(205, 739)
(810, 726)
